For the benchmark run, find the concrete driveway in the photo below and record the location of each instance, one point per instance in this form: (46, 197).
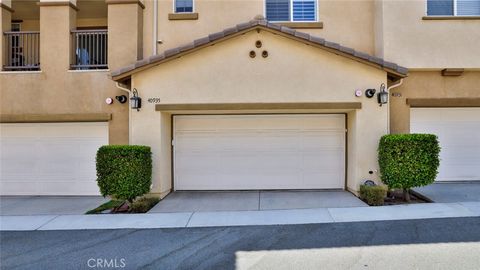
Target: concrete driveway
(452, 192)
(254, 200)
(48, 205)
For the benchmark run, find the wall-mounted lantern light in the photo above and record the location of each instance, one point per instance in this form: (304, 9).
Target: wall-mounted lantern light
(135, 100)
(382, 95)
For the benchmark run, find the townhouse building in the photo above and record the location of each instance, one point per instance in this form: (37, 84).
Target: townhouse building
(233, 94)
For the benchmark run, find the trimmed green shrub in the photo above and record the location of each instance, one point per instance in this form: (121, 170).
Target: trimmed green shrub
(373, 195)
(124, 172)
(408, 160)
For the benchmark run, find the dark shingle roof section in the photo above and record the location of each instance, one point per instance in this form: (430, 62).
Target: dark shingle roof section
(332, 46)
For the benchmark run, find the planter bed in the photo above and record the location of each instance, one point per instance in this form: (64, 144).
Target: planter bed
(142, 205)
(396, 197)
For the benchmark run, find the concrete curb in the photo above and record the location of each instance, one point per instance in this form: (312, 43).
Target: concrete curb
(239, 218)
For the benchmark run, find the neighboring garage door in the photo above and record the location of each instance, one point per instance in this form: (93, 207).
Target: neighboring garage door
(50, 158)
(458, 130)
(241, 152)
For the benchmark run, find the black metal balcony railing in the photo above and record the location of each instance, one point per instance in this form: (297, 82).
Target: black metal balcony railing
(22, 51)
(89, 49)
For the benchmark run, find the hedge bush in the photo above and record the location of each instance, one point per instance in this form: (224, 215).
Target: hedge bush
(373, 195)
(408, 160)
(124, 171)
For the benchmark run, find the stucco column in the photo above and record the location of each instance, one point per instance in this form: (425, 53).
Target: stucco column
(5, 25)
(57, 19)
(125, 28)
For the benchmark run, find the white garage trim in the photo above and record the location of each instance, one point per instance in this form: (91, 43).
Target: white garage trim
(50, 158)
(254, 152)
(458, 130)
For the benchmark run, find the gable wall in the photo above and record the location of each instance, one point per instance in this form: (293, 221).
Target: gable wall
(293, 73)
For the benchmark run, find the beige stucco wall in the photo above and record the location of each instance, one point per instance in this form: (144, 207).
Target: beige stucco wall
(430, 84)
(427, 44)
(125, 34)
(347, 22)
(90, 22)
(294, 72)
(56, 89)
(71, 92)
(6, 2)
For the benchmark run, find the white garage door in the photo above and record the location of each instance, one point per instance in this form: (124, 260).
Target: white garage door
(458, 130)
(239, 152)
(50, 158)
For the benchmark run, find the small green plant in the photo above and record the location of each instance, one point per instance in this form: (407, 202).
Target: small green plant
(106, 206)
(408, 160)
(143, 204)
(124, 172)
(373, 195)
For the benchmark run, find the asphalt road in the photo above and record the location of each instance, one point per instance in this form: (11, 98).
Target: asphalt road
(411, 244)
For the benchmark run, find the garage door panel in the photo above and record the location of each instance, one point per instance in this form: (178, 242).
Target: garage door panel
(453, 172)
(266, 122)
(452, 134)
(330, 180)
(451, 153)
(324, 161)
(458, 131)
(50, 158)
(248, 181)
(259, 152)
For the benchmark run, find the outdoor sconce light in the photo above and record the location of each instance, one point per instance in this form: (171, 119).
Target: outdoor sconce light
(135, 100)
(382, 95)
(369, 93)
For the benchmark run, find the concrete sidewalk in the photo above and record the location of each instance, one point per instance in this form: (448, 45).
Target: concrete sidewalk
(239, 218)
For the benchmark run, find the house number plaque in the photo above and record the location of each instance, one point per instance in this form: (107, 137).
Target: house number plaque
(153, 100)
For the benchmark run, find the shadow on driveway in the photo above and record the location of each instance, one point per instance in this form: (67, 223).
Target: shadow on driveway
(452, 192)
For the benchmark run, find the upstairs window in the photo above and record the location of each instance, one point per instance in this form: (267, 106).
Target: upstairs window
(183, 6)
(16, 27)
(453, 7)
(291, 10)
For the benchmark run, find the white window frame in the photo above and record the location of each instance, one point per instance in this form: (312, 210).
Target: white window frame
(291, 13)
(175, 7)
(454, 11)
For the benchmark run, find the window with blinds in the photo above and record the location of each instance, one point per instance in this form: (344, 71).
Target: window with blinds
(453, 7)
(291, 10)
(182, 6)
(468, 7)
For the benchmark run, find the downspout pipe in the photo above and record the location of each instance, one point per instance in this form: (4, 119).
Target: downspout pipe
(155, 26)
(119, 86)
(389, 104)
